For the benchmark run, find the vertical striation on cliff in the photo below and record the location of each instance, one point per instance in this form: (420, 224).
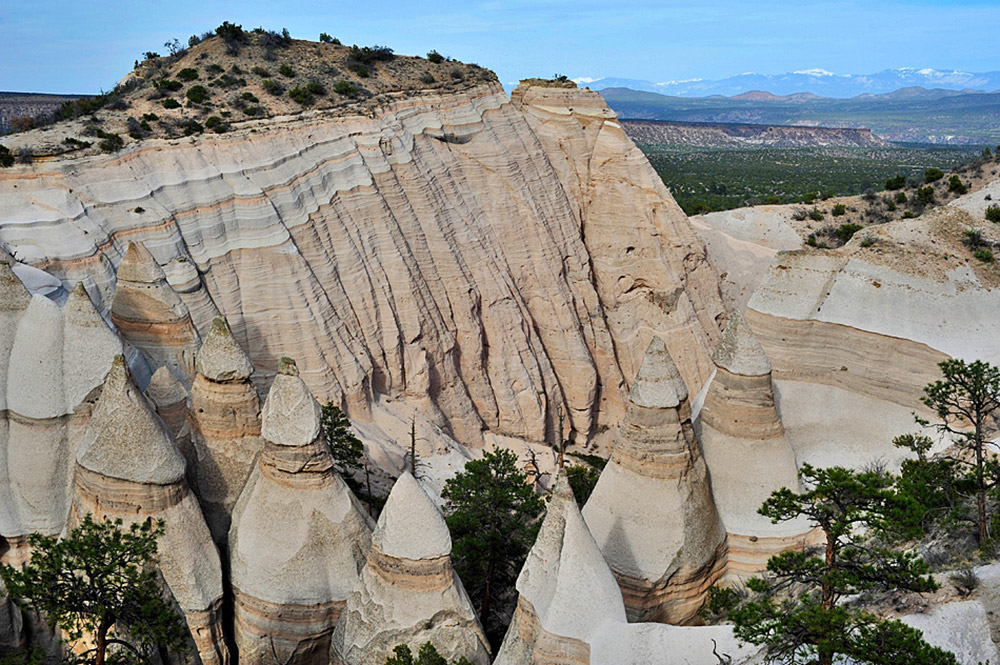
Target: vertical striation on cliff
(298, 538)
(747, 452)
(128, 467)
(408, 592)
(652, 512)
(225, 426)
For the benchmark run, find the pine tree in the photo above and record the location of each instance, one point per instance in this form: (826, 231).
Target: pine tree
(492, 513)
(795, 612)
(98, 579)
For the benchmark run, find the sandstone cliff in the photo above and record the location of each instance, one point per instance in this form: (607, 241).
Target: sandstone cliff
(497, 263)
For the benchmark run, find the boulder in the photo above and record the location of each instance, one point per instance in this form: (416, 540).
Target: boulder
(298, 537)
(408, 592)
(651, 511)
(128, 468)
(225, 426)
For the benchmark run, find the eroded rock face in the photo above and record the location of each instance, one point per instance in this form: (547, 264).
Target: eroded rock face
(747, 452)
(652, 512)
(408, 592)
(52, 364)
(566, 591)
(455, 250)
(128, 467)
(298, 538)
(151, 316)
(225, 426)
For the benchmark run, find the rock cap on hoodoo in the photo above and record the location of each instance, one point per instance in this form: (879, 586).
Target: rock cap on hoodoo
(411, 526)
(125, 439)
(220, 357)
(291, 413)
(165, 389)
(138, 265)
(739, 351)
(658, 385)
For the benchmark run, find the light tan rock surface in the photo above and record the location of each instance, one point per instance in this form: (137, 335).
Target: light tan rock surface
(151, 316)
(570, 610)
(451, 249)
(128, 467)
(298, 538)
(746, 450)
(652, 511)
(52, 363)
(408, 592)
(225, 426)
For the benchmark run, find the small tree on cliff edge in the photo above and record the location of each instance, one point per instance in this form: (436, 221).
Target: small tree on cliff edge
(795, 613)
(492, 514)
(969, 395)
(97, 579)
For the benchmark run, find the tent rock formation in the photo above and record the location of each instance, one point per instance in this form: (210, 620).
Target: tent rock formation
(651, 511)
(408, 592)
(298, 538)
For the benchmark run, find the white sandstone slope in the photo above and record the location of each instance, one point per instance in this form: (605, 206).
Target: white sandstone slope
(52, 362)
(652, 511)
(298, 538)
(746, 450)
(570, 610)
(128, 468)
(408, 592)
(454, 250)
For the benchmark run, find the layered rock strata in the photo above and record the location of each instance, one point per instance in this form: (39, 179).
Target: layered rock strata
(298, 538)
(52, 363)
(151, 316)
(225, 426)
(652, 511)
(455, 250)
(128, 468)
(408, 592)
(570, 609)
(747, 452)
(565, 591)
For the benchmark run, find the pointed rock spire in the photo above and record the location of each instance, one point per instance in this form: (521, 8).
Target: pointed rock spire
(666, 559)
(225, 426)
(138, 265)
(220, 357)
(165, 390)
(746, 450)
(128, 468)
(567, 592)
(739, 351)
(410, 525)
(408, 592)
(658, 385)
(151, 315)
(298, 537)
(13, 296)
(89, 346)
(291, 415)
(126, 440)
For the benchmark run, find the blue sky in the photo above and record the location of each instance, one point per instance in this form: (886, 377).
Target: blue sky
(86, 45)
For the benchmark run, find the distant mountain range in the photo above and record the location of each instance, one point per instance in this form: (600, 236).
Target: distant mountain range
(907, 115)
(816, 81)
